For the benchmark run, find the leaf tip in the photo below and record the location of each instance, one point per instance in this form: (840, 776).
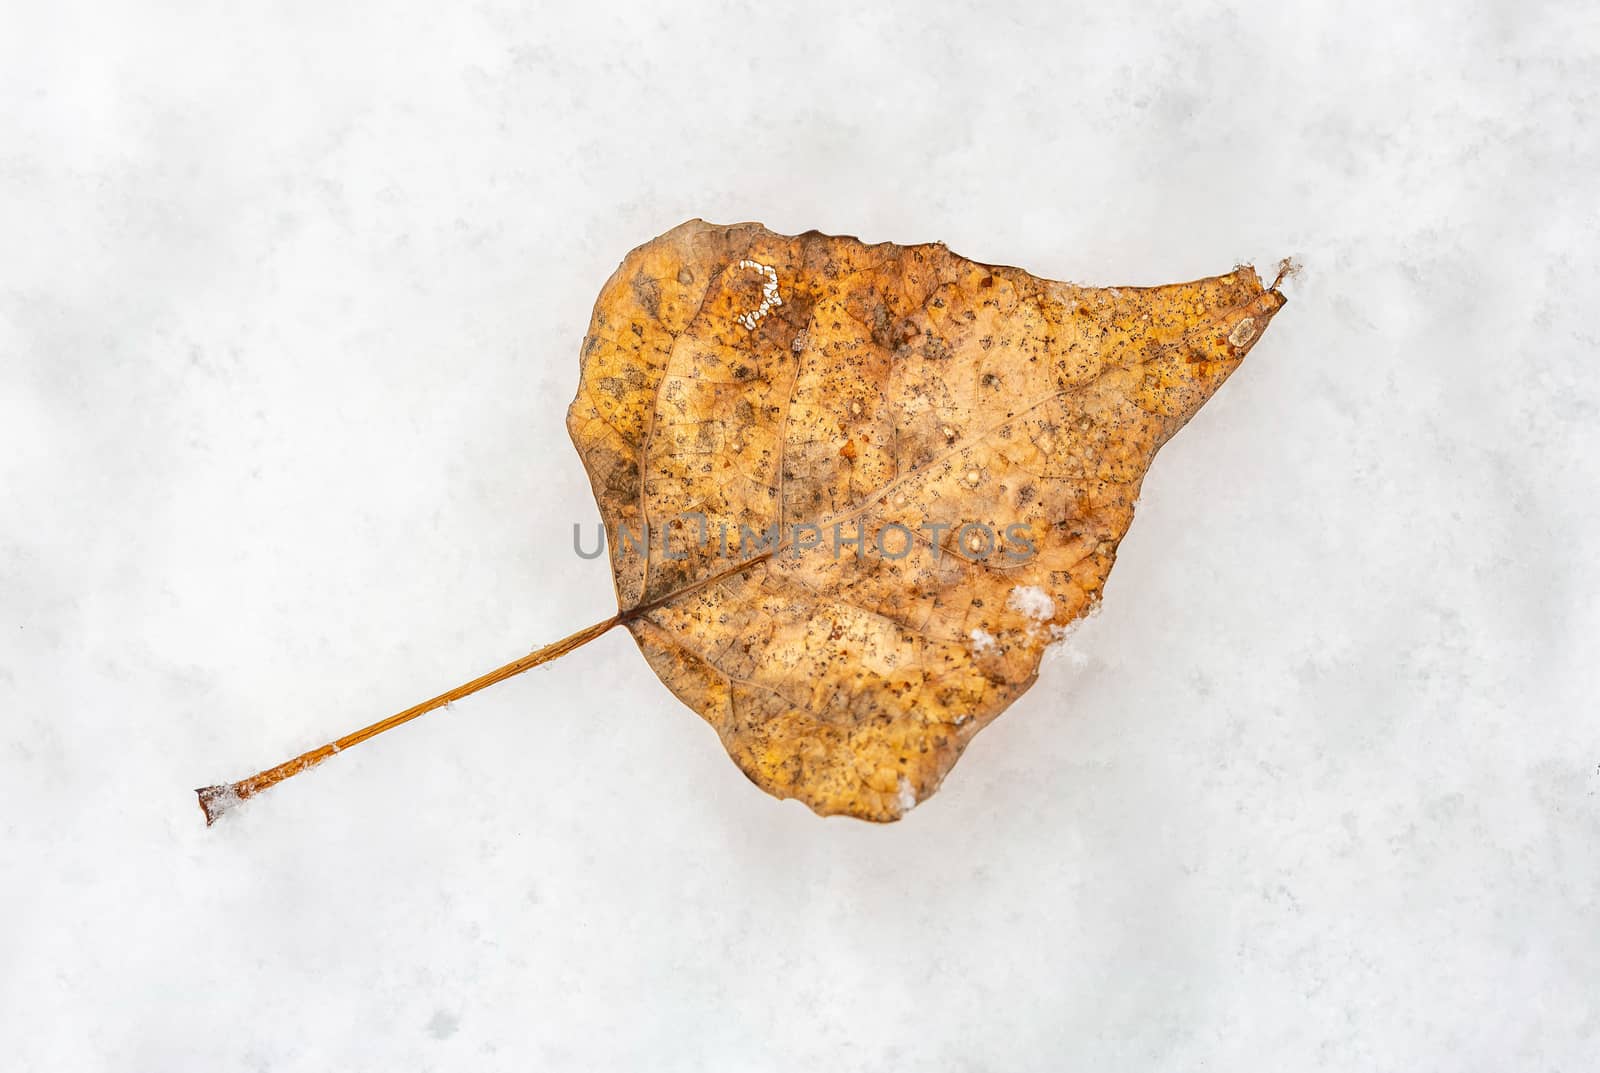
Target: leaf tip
(1288, 268)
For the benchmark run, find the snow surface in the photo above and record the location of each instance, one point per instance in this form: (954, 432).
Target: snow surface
(290, 306)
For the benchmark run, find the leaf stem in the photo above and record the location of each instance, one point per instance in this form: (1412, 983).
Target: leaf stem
(216, 800)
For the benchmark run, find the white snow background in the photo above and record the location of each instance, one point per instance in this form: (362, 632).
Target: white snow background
(291, 297)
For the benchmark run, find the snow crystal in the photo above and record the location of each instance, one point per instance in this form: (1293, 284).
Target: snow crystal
(907, 797)
(1033, 602)
(769, 294)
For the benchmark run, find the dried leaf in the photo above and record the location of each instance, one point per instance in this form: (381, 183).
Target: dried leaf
(735, 380)
(975, 435)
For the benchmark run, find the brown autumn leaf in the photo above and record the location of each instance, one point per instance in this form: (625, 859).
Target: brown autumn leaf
(735, 380)
(752, 405)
